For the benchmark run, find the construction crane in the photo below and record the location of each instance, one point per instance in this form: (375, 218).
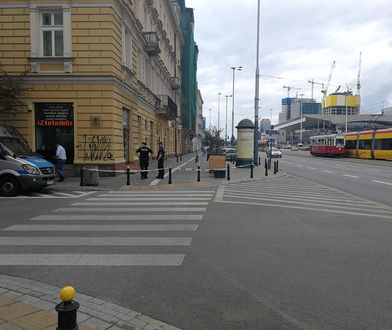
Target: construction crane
(290, 88)
(325, 91)
(359, 75)
(315, 83)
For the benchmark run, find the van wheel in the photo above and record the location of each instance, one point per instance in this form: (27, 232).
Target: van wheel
(9, 186)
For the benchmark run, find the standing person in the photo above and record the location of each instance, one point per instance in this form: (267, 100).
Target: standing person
(161, 158)
(61, 157)
(144, 158)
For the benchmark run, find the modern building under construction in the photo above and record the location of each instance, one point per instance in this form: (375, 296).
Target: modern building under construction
(341, 103)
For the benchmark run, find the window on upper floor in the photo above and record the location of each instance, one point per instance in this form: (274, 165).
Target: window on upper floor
(52, 33)
(127, 47)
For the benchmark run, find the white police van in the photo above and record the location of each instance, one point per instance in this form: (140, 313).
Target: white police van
(20, 168)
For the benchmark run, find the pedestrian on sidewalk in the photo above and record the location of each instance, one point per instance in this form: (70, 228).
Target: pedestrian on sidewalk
(161, 158)
(61, 157)
(144, 158)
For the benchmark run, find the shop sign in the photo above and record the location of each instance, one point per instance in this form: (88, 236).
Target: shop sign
(54, 114)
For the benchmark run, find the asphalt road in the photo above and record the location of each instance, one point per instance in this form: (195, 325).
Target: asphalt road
(365, 178)
(286, 253)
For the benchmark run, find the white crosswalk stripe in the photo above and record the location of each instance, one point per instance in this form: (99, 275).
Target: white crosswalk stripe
(110, 230)
(52, 194)
(297, 193)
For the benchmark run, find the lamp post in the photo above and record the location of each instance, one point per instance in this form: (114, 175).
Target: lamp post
(210, 117)
(234, 68)
(219, 94)
(256, 130)
(345, 100)
(226, 96)
(300, 110)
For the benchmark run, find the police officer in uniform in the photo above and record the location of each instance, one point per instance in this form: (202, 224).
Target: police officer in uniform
(144, 157)
(161, 158)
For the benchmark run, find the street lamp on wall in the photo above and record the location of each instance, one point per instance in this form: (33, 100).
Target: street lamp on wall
(234, 68)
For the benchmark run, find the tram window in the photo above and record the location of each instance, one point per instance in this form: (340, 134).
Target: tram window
(365, 144)
(339, 142)
(351, 144)
(383, 144)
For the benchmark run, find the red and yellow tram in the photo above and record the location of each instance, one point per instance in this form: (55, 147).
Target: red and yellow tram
(331, 145)
(372, 144)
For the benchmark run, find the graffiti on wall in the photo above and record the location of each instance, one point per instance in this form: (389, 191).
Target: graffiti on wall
(96, 147)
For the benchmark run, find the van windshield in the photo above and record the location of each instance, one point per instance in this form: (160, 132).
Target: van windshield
(14, 146)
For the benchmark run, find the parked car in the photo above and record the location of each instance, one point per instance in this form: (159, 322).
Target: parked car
(276, 153)
(20, 168)
(294, 148)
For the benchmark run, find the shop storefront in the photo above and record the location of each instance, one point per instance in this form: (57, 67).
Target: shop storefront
(54, 123)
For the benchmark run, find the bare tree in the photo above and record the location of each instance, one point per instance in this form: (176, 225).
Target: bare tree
(12, 90)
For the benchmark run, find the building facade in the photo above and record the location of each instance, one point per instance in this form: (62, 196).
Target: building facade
(102, 76)
(189, 55)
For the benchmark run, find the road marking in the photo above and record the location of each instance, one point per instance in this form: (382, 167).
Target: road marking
(383, 182)
(298, 165)
(311, 168)
(311, 203)
(219, 194)
(143, 203)
(327, 171)
(91, 259)
(350, 176)
(160, 192)
(291, 195)
(53, 195)
(131, 209)
(156, 181)
(105, 228)
(97, 241)
(311, 209)
(125, 217)
(136, 198)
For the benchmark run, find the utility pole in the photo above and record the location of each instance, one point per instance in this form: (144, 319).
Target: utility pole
(256, 129)
(219, 94)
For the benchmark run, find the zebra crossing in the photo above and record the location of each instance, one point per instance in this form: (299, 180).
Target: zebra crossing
(114, 223)
(298, 193)
(52, 194)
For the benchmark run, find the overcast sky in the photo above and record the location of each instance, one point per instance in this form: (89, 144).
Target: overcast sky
(299, 40)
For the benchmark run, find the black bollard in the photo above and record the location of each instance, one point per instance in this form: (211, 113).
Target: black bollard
(266, 167)
(170, 175)
(259, 161)
(228, 172)
(277, 166)
(128, 176)
(251, 170)
(67, 310)
(177, 157)
(180, 157)
(274, 167)
(81, 176)
(198, 173)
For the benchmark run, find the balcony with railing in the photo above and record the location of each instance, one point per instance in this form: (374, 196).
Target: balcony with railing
(166, 107)
(152, 43)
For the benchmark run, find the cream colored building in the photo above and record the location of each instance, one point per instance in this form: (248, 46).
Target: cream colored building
(102, 75)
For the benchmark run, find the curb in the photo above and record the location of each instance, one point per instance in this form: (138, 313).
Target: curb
(93, 312)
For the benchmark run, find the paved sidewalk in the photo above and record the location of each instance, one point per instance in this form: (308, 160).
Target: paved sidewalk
(183, 172)
(30, 305)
